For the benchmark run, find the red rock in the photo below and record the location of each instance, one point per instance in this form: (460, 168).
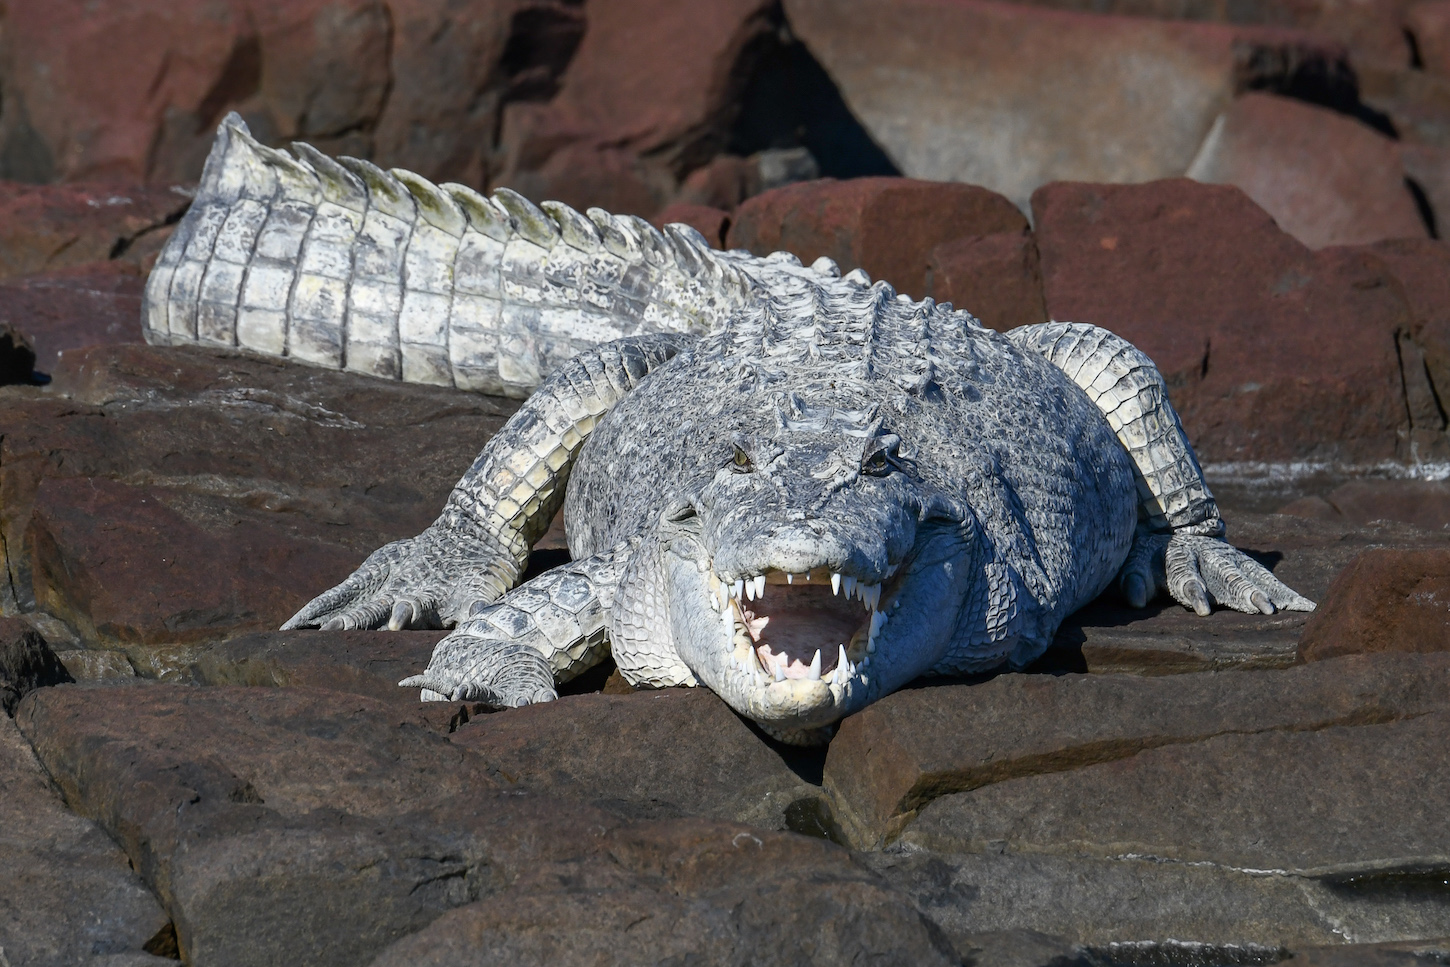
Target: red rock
(83, 306)
(49, 227)
(584, 176)
(1428, 168)
(1011, 96)
(1428, 22)
(709, 222)
(886, 226)
(1424, 503)
(723, 183)
(995, 277)
(1386, 600)
(1271, 351)
(1326, 178)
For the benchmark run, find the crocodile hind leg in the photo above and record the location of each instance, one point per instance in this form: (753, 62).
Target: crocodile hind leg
(1179, 544)
(478, 547)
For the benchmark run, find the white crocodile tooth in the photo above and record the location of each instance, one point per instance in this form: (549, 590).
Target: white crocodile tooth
(737, 589)
(815, 669)
(841, 660)
(789, 578)
(875, 600)
(850, 584)
(760, 585)
(750, 589)
(835, 582)
(778, 667)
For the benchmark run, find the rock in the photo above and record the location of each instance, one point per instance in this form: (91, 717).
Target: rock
(1416, 102)
(26, 663)
(1325, 178)
(1108, 636)
(1254, 801)
(626, 751)
(645, 82)
(1011, 96)
(886, 226)
(310, 826)
(73, 308)
(1424, 503)
(1428, 22)
(1132, 909)
(706, 893)
(17, 359)
(67, 894)
(367, 663)
(996, 278)
(1427, 168)
(1387, 600)
(1404, 954)
(709, 222)
(48, 227)
(254, 460)
(897, 758)
(96, 666)
(1271, 352)
(133, 91)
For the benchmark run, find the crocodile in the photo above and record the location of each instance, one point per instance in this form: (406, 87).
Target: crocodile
(793, 486)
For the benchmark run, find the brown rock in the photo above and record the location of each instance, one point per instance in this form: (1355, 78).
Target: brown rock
(273, 460)
(1428, 22)
(1011, 97)
(71, 308)
(67, 894)
(1416, 102)
(706, 893)
(891, 761)
(1325, 178)
(1410, 953)
(1334, 803)
(886, 226)
(26, 663)
(996, 278)
(709, 222)
(1424, 503)
(676, 752)
(1387, 600)
(1271, 352)
(49, 227)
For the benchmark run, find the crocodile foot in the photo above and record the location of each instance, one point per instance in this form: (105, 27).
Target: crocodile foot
(428, 581)
(500, 674)
(1201, 571)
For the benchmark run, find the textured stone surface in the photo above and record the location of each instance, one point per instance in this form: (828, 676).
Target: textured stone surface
(1386, 600)
(698, 892)
(263, 459)
(894, 759)
(1333, 803)
(887, 226)
(1011, 97)
(26, 663)
(1428, 22)
(68, 309)
(709, 222)
(625, 750)
(67, 894)
(1326, 179)
(49, 227)
(1424, 503)
(996, 278)
(1271, 351)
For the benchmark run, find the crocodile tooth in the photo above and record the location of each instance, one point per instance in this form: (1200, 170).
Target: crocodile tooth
(759, 586)
(778, 667)
(789, 578)
(737, 589)
(872, 596)
(815, 669)
(842, 662)
(750, 589)
(850, 584)
(891, 570)
(835, 582)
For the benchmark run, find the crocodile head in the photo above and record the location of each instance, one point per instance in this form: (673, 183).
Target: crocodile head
(814, 572)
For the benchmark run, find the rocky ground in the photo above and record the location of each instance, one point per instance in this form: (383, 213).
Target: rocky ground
(180, 781)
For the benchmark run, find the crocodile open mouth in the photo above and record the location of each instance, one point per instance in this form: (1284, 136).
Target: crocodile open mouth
(818, 625)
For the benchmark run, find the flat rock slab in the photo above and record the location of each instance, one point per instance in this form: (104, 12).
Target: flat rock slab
(1359, 805)
(292, 475)
(897, 757)
(67, 894)
(310, 826)
(673, 752)
(1164, 638)
(1386, 600)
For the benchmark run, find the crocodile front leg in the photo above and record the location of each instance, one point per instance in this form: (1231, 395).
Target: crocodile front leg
(1179, 545)
(478, 547)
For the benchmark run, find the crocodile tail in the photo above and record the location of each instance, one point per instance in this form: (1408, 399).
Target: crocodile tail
(339, 264)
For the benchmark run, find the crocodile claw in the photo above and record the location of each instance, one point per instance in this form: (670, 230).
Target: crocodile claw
(500, 674)
(1200, 572)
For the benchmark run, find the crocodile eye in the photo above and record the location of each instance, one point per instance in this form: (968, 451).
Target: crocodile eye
(740, 463)
(876, 465)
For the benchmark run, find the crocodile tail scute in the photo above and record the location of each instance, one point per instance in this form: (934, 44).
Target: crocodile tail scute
(340, 264)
